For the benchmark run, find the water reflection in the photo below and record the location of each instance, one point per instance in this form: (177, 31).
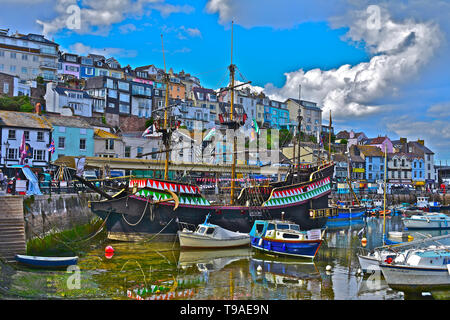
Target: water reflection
(161, 271)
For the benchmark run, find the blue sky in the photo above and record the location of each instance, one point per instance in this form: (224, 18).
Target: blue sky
(395, 82)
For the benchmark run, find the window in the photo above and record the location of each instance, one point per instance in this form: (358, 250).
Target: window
(370, 167)
(139, 152)
(35, 58)
(11, 134)
(6, 88)
(40, 136)
(61, 142)
(2, 53)
(82, 131)
(405, 174)
(112, 94)
(124, 97)
(127, 152)
(24, 56)
(62, 129)
(82, 144)
(27, 135)
(2, 67)
(13, 55)
(89, 71)
(111, 105)
(12, 153)
(12, 68)
(109, 144)
(124, 108)
(124, 86)
(39, 155)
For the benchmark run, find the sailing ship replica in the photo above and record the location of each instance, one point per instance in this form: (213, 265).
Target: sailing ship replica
(154, 206)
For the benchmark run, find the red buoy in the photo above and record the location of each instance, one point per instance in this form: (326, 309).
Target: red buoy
(109, 249)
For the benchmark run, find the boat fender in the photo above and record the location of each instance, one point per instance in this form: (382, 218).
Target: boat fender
(260, 242)
(284, 247)
(388, 260)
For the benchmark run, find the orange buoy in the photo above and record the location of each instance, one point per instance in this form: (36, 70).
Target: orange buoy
(363, 242)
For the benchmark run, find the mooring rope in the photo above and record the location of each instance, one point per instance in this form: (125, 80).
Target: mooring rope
(144, 241)
(140, 219)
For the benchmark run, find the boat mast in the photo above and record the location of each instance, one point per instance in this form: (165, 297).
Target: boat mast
(165, 138)
(233, 164)
(384, 204)
(329, 139)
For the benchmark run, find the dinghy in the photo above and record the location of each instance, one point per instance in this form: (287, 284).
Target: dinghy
(46, 262)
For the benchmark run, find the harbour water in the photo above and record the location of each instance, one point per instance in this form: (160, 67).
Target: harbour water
(161, 271)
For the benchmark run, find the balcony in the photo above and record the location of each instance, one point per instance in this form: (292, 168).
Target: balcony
(49, 76)
(49, 52)
(48, 65)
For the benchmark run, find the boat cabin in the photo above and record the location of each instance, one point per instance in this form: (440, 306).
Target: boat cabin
(282, 230)
(205, 229)
(422, 202)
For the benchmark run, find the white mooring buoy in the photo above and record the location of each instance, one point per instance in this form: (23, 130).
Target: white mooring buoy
(259, 269)
(328, 268)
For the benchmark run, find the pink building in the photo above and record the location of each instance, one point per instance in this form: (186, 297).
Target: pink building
(381, 142)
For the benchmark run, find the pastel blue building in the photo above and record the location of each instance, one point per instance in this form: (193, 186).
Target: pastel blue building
(374, 163)
(417, 169)
(278, 115)
(72, 136)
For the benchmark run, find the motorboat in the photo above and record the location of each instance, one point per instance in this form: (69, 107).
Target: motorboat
(418, 269)
(427, 220)
(211, 236)
(282, 237)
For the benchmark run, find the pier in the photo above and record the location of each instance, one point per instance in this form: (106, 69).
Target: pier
(12, 228)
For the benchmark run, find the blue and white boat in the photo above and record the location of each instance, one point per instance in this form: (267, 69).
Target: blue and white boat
(281, 237)
(419, 269)
(427, 220)
(46, 262)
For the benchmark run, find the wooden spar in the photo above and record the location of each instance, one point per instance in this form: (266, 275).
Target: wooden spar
(233, 165)
(93, 187)
(166, 161)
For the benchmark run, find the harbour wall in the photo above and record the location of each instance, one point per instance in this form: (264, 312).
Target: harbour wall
(56, 212)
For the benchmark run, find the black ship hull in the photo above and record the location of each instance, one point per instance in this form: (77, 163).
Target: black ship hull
(132, 218)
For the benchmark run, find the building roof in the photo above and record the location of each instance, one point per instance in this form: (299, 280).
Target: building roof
(305, 104)
(377, 140)
(23, 120)
(371, 151)
(62, 91)
(104, 134)
(421, 147)
(339, 157)
(343, 135)
(67, 121)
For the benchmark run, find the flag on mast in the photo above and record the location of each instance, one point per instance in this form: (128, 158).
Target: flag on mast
(149, 131)
(23, 150)
(52, 146)
(210, 134)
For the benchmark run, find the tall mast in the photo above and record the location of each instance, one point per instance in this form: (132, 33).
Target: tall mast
(329, 139)
(165, 137)
(233, 164)
(384, 202)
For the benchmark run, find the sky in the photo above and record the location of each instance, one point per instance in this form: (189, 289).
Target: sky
(381, 67)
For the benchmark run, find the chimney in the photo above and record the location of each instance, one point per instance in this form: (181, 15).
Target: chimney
(38, 108)
(422, 142)
(403, 140)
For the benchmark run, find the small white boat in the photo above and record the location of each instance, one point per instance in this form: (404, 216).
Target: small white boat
(212, 236)
(370, 262)
(427, 220)
(419, 269)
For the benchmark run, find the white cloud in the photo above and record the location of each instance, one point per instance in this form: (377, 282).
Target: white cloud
(399, 50)
(82, 49)
(127, 28)
(440, 110)
(97, 16)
